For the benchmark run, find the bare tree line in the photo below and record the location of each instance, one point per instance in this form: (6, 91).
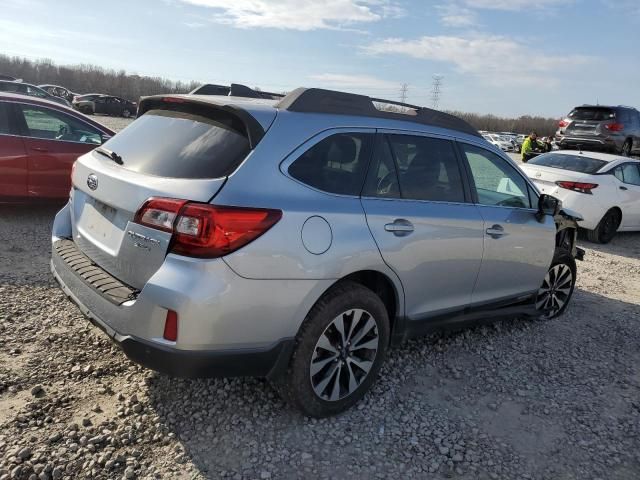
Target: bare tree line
(93, 79)
(90, 78)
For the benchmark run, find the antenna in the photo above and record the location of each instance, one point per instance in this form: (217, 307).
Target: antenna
(435, 91)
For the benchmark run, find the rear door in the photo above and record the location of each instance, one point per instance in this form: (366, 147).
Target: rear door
(518, 248)
(13, 157)
(53, 141)
(628, 187)
(423, 221)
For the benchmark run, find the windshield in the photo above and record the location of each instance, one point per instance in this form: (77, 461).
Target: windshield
(181, 145)
(574, 163)
(592, 113)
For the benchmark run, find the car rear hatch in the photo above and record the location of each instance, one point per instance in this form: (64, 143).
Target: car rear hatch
(177, 148)
(587, 121)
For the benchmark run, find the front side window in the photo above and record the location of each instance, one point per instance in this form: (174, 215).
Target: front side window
(496, 182)
(5, 127)
(630, 174)
(415, 168)
(336, 164)
(49, 124)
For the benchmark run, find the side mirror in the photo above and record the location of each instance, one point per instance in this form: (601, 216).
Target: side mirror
(548, 205)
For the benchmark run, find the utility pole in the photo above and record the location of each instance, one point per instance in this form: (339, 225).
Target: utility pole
(435, 91)
(404, 88)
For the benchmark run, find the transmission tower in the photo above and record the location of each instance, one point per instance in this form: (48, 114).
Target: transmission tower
(404, 88)
(435, 91)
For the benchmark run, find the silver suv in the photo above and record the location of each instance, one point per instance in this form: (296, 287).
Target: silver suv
(598, 127)
(297, 239)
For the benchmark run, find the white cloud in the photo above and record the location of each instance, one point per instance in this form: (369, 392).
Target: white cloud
(494, 59)
(338, 80)
(454, 15)
(299, 14)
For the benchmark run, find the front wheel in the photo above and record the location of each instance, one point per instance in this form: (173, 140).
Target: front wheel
(126, 113)
(557, 287)
(339, 351)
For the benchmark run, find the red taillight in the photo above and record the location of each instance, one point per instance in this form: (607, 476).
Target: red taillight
(203, 230)
(171, 326)
(563, 123)
(172, 100)
(577, 186)
(614, 127)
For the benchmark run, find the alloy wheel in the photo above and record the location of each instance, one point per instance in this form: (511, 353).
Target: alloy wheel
(555, 290)
(344, 355)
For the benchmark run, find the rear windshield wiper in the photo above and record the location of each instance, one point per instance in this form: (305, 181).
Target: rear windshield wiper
(108, 153)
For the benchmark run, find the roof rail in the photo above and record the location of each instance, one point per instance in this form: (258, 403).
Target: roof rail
(234, 90)
(317, 100)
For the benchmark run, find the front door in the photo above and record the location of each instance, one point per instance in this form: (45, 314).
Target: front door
(423, 222)
(628, 183)
(518, 248)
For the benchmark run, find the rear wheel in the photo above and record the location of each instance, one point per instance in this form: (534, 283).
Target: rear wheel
(557, 287)
(606, 229)
(625, 151)
(339, 351)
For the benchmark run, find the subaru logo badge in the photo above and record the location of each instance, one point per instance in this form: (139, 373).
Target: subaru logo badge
(92, 181)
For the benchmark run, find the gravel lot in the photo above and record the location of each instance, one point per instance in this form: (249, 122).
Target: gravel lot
(519, 399)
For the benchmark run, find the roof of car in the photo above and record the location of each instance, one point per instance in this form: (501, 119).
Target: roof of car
(320, 101)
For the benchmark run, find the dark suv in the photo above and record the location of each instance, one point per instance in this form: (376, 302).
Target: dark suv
(597, 127)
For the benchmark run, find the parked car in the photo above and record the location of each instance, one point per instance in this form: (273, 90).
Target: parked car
(106, 105)
(84, 102)
(39, 141)
(9, 78)
(499, 141)
(603, 188)
(58, 91)
(31, 91)
(224, 236)
(234, 90)
(613, 129)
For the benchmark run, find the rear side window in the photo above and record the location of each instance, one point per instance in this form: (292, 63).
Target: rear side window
(598, 114)
(416, 168)
(336, 164)
(631, 174)
(182, 145)
(574, 163)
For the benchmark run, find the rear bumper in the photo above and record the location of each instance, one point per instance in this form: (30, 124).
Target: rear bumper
(269, 361)
(594, 143)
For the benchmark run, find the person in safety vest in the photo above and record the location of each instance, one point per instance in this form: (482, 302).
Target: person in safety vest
(531, 147)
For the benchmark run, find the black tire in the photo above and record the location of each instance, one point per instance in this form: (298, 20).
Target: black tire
(296, 386)
(126, 113)
(625, 151)
(557, 289)
(87, 110)
(606, 229)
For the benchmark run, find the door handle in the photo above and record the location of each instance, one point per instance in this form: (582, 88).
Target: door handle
(496, 231)
(623, 188)
(40, 149)
(400, 227)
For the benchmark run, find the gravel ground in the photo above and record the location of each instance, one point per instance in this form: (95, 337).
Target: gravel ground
(519, 399)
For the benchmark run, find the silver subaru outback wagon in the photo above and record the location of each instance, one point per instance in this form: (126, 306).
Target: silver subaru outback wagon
(298, 238)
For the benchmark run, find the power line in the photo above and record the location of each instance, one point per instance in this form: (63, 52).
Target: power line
(404, 88)
(435, 91)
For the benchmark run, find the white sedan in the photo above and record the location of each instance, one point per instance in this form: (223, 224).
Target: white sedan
(603, 188)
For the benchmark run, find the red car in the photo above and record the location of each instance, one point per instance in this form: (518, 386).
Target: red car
(39, 141)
